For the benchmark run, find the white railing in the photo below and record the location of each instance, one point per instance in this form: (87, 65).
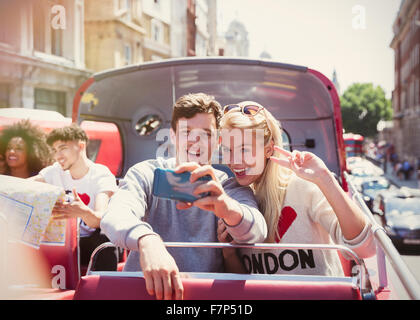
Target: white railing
(361, 276)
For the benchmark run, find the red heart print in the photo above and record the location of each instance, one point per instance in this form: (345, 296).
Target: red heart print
(85, 198)
(288, 215)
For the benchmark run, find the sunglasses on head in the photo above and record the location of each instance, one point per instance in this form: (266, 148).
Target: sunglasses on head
(249, 110)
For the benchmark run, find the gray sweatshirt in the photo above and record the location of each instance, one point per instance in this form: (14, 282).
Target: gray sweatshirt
(134, 212)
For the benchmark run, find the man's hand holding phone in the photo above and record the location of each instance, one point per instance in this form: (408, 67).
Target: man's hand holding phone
(217, 201)
(159, 268)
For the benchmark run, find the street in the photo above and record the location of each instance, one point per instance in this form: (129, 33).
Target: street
(413, 263)
(410, 255)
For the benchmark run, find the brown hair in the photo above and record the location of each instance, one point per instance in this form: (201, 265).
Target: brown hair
(69, 133)
(189, 105)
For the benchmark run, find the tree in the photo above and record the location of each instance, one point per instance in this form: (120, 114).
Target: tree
(362, 106)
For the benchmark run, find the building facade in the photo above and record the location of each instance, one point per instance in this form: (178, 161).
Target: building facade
(157, 22)
(406, 94)
(114, 31)
(179, 28)
(42, 60)
(48, 48)
(123, 32)
(194, 28)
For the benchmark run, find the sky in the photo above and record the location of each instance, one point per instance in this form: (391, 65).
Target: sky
(350, 36)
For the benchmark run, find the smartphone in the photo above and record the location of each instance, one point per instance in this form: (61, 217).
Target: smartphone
(177, 186)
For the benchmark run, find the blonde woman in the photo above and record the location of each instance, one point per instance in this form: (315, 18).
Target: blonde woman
(301, 200)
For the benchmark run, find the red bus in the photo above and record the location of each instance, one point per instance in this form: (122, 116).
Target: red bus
(308, 106)
(353, 144)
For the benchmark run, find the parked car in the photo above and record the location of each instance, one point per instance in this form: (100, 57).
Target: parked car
(370, 188)
(363, 171)
(400, 215)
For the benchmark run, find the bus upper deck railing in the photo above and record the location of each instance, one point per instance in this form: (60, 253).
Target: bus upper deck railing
(386, 246)
(361, 275)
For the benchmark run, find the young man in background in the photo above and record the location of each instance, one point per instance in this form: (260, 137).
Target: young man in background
(90, 184)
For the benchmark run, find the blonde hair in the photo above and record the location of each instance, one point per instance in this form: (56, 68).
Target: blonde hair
(270, 188)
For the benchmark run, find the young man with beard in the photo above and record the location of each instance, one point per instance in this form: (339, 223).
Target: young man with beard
(91, 185)
(139, 221)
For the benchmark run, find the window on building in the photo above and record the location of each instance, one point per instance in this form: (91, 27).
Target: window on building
(50, 100)
(46, 37)
(157, 31)
(128, 6)
(128, 54)
(4, 95)
(56, 31)
(57, 42)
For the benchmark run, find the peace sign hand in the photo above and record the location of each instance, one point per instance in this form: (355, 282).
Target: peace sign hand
(305, 164)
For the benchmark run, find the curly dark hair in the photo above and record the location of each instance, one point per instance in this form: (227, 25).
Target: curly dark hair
(38, 152)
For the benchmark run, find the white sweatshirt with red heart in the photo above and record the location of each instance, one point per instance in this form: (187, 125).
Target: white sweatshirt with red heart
(307, 218)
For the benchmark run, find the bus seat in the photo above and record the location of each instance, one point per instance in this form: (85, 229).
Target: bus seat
(345, 264)
(47, 294)
(106, 287)
(36, 272)
(65, 256)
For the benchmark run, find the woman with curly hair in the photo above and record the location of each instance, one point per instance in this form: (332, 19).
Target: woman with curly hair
(24, 149)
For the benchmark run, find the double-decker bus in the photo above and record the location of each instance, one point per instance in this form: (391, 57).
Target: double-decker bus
(138, 99)
(353, 144)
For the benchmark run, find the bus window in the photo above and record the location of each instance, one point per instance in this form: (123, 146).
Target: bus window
(104, 146)
(286, 140)
(92, 149)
